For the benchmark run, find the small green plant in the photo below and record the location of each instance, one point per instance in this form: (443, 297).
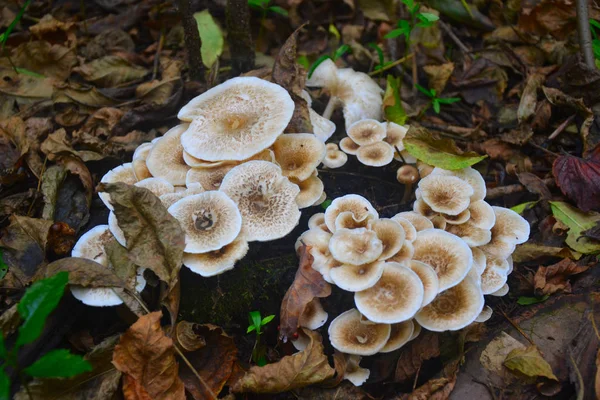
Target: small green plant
(326, 204)
(3, 266)
(256, 324)
(595, 41)
(420, 19)
(436, 101)
(36, 304)
(337, 53)
(527, 301)
(264, 7)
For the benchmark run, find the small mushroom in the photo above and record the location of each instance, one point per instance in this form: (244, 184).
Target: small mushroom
(123, 173)
(394, 135)
(349, 335)
(407, 175)
(400, 334)
(354, 373)
(419, 222)
(236, 119)
(298, 154)
(140, 169)
(317, 238)
(509, 230)
(479, 260)
(142, 151)
(358, 205)
(210, 221)
(198, 163)
(217, 261)
(447, 254)
(391, 235)
(348, 146)
(347, 220)
(115, 229)
(424, 169)
(318, 221)
(446, 194)
(429, 278)
(495, 274)
(355, 246)
(321, 199)
(461, 218)
(405, 254)
(166, 157)
(416, 331)
(409, 229)
(157, 186)
(453, 309)
(366, 132)
(335, 159)
(209, 178)
(469, 175)
(266, 199)
(485, 314)
(503, 291)
(168, 199)
(354, 278)
(472, 235)
(314, 316)
(322, 127)
(481, 214)
(311, 190)
(396, 297)
(376, 154)
(91, 246)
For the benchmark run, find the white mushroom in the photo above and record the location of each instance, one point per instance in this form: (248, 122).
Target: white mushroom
(311, 190)
(314, 316)
(354, 373)
(391, 235)
(122, 173)
(169, 199)
(354, 278)
(335, 159)
(394, 135)
(355, 246)
(428, 276)
(157, 186)
(445, 194)
(400, 334)
(358, 205)
(349, 335)
(376, 154)
(348, 146)
(166, 157)
(469, 175)
(217, 261)
(298, 154)
(485, 314)
(367, 131)
(419, 222)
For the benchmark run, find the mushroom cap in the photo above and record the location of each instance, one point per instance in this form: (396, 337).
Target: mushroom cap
(485, 314)
(472, 235)
(495, 274)
(424, 169)
(410, 232)
(325, 75)
(335, 159)
(407, 174)
(416, 331)
(453, 309)
(322, 127)
(510, 226)
(446, 194)
(447, 254)
(311, 190)
(314, 316)
(394, 135)
(419, 222)
(298, 154)
(236, 119)
(429, 278)
(210, 221)
(400, 334)
(391, 235)
(140, 169)
(481, 214)
(376, 154)
(349, 335)
(355, 246)
(406, 158)
(217, 261)
(461, 218)
(166, 157)
(367, 131)
(318, 221)
(169, 199)
(354, 373)
(439, 222)
(123, 173)
(141, 152)
(405, 254)
(347, 220)
(91, 246)
(157, 186)
(115, 229)
(266, 199)
(479, 260)
(316, 238)
(396, 297)
(354, 278)
(323, 264)
(503, 291)
(469, 175)
(358, 205)
(331, 146)
(348, 146)
(209, 178)
(361, 96)
(321, 199)
(198, 163)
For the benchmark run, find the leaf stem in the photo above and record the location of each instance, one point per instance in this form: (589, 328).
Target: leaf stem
(392, 64)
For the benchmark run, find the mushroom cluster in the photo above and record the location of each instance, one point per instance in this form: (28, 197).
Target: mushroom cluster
(413, 270)
(227, 173)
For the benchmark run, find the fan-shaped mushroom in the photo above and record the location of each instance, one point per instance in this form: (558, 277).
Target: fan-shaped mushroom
(349, 335)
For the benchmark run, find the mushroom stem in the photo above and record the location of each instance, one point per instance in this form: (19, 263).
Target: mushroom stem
(407, 193)
(331, 104)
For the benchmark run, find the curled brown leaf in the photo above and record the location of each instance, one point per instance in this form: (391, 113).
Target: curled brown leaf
(579, 178)
(554, 278)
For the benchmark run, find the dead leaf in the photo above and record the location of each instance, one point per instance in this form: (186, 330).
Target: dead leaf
(86, 97)
(214, 361)
(554, 278)
(64, 197)
(554, 17)
(530, 251)
(57, 142)
(61, 239)
(159, 91)
(535, 185)
(41, 57)
(528, 102)
(148, 356)
(423, 348)
(307, 285)
(438, 75)
(304, 368)
(437, 388)
(55, 31)
(82, 272)
(579, 179)
(187, 339)
(493, 356)
(290, 75)
(24, 89)
(155, 239)
(345, 390)
(101, 383)
(107, 42)
(110, 71)
(529, 362)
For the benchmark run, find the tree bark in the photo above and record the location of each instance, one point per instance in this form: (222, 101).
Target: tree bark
(192, 41)
(585, 36)
(239, 36)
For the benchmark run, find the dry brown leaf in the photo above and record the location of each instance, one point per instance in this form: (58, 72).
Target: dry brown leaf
(438, 75)
(50, 60)
(82, 272)
(214, 361)
(57, 142)
(423, 348)
(307, 285)
(148, 356)
(304, 368)
(554, 278)
(187, 339)
(110, 71)
(436, 389)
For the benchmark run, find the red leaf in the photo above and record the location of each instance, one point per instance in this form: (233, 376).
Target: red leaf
(579, 179)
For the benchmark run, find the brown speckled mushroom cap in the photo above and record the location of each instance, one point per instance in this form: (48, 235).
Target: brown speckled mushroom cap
(355, 246)
(358, 205)
(391, 235)
(376, 154)
(217, 261)
(354, 278)
(366, 131)
(298, 154)
(165, 159)
(445, 194)
(349, 335)
(400, 334)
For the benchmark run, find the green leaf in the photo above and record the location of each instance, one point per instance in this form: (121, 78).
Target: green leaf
(596, 48)
(326, 204)
(267, 319)
(343, 49)
(426, 92)
(251, 328)
(394, 33)
(448, 100)
(317, 63)
(520, 208)
(303, 60)
(527, 301)
(255, 318)
(439, 152)
(436, 105)
(426, 20)
(392, 104)
(334, 31)
(529, 362)
(594, 23)
(3, 266)
(27, 72)
(58, 363)
(4, 36)
(211, 37)
(278, 10)
(37, 303)
(379, 52)
(4, 385)
(577, 221)
(258, 4)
